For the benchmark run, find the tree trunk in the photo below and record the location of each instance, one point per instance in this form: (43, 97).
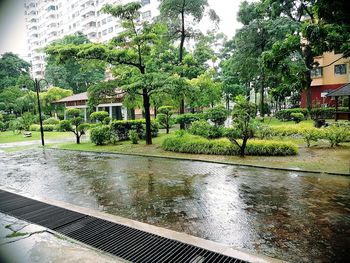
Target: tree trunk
(309, 60)
(182, 111)
(78, 138)
(146, 105)
(244, 144)
(262, 110)
(182, 42)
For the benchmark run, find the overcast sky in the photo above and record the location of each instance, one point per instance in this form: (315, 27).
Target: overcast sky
(12, 25)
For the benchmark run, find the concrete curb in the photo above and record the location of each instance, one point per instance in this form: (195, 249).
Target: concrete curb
(206, 161)
(182, 237)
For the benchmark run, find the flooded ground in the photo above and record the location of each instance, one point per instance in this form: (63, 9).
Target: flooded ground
(293, 216)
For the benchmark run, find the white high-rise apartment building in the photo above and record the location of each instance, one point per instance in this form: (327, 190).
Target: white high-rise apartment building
(48, 20)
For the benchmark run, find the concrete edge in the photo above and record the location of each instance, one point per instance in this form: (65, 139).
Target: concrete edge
(206, 161)
(241, 254)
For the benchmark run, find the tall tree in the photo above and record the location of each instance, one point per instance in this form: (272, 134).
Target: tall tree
(179, 14)
(72, 74)
(131, 49)
(12, 68)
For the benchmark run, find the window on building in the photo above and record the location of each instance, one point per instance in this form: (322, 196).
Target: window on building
(109, 19)
(103, 21)
(316, 72)
(145, 2)
(146, 14)
(110, 30)
(340, 69)
(104, 32)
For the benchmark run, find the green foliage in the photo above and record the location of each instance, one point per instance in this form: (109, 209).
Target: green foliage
(318, 113)
(244, 125)
(121, 129)
(204, 129)
(100, 135)
(297, 116)
(52, 121)
(11, 69)
(200, 145)
(285, 115)
(99, 116)
(107, 120)
(217, 115)
(72, 73)
(312, 134)
(187, 118)
(27, 119)
(164, 117)
(264, 131)
(34, 127)
(134, 137)
(16, 125)
(336, 135)
(2, 126)
(48, 127)
(65, 125)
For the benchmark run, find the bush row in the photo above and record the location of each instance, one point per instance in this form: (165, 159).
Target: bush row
(316, 113)
(120, 131)
(199, 145)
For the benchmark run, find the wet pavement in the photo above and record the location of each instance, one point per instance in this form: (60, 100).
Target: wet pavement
(293, 216)
(24, 242)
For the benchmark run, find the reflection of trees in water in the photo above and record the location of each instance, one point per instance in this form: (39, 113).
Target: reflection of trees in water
(293, 216)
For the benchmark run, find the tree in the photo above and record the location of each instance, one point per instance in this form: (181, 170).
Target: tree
(178, 14)
(72, 73)
(164, 117)
(99, 116)
(218, 115)
(130, 50)
(53, 94)
(205, 91)
(74, 123)
(11, 69)
(243, 123)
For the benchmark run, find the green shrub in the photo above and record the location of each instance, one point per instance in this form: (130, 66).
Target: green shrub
(34, 127)
(134, 137)
(324, 113)
(121, 129)
(164, 117)
(27, 119)
(205, 129)
(312, 134)
(336, 135)
(65, 125)
(297, 116)
(2, 126)
(16, 125)
(107, 120)
(217, 115)
(264, 131)
(187, 118)
(48, 127)
(51, 120)
(290, 130)
(285, 114)
(99, 116)
(199, 145)
(100, 135)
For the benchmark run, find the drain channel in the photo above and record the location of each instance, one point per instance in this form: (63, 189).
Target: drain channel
(128, 243)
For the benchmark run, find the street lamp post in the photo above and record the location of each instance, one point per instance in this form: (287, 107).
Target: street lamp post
(36, 83)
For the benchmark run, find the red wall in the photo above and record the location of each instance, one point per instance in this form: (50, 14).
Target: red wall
(316, 94)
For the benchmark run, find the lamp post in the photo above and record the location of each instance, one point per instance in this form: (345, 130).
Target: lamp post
(36, 83)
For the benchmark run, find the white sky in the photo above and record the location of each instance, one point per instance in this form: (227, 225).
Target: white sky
(12, 25)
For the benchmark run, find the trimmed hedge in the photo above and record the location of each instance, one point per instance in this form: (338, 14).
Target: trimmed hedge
(47, 127)
(205, 129)
(316, 113)
(121, 129)
(51, 121)
(285, 115)
(187, 118)
(199, 145)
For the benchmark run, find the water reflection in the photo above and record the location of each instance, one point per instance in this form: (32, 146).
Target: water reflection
(292, 216)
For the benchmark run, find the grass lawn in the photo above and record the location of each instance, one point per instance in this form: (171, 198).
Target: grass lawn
(9, 136)
(320, 157)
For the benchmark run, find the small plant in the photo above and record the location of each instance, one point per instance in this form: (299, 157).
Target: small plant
(217, 115)
(100, 135)
(74, 123)
(336, 135)
(205, 129)
(297, 116)
(264, 131)
(134, 137)
(164, 117)
(312, 135)
(99, 116)
(51, 121)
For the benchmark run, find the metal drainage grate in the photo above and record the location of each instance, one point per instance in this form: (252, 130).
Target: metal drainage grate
(125, 242)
